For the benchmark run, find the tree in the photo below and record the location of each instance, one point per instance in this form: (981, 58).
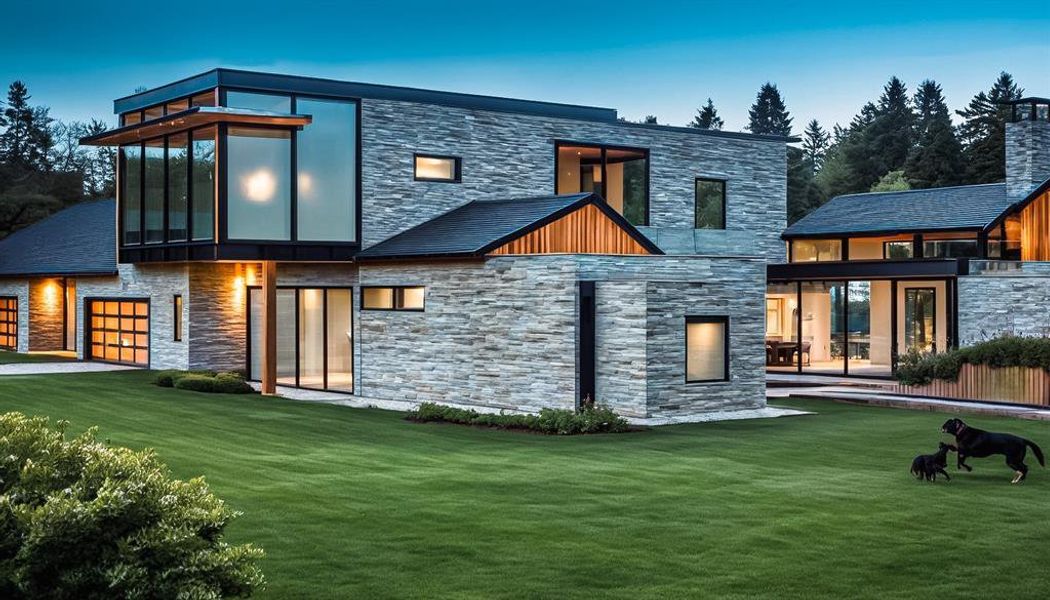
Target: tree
(894, 181)
(82, 519)
(650, 119)
(26, 140)
(803, 192)
(815, 144)
(707, 117)
(768, 114)
(936, 160)
(983, 134)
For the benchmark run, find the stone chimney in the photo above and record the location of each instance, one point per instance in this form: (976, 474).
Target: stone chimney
(1027, 146)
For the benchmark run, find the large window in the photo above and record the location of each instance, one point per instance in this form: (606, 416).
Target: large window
(203, 183)
(327, 171)
(9, 322)
(949, 248)
(259, 204)
(710, 203)
(131, 193)
(619, 175)
(816, 250)
(154, 190)
(706, 349)
(178, 185)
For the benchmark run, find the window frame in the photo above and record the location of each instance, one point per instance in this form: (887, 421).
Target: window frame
(722, 319)
(457, 168)
(13, 336)
(888, 243)
(176, 320)
(398, 297)
(725, 205)
(559, 143)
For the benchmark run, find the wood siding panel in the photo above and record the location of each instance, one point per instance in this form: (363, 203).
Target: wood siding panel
(1017, 385)
(1035, 229)
(584, 231)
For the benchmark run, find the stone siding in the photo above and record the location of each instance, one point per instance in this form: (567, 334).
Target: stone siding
(507, 155)
(46, 331)
(19, 288)
(1015, 303)
(1027, 156)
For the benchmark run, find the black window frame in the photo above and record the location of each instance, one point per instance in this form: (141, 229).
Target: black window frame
(89, 328)
(724, 320)
(176, 320)
(696, 201)
(457, 167)
(398, 299)
(14, 311)
(560, 143)
(886, 246)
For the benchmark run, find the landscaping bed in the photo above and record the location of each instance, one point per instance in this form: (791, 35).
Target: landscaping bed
(549, 421)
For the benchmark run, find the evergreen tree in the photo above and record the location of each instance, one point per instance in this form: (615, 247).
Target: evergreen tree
(768, 114)
(26, 140)
(880, 136)
(815, 143)
(803, 192)
(707, 117)
(936, 160)
(983, 134)
(650, 119)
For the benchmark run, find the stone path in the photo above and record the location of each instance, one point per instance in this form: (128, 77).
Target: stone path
(55, 368)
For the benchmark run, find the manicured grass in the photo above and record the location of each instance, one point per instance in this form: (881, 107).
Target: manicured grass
(359, 503)
(7, 357)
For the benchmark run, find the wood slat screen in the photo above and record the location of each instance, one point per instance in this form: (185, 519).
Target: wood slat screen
(1035, 229)
(584, 231)
(1017, 385)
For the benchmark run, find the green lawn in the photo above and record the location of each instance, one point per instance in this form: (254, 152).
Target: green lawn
(7, 357)
(359, 503)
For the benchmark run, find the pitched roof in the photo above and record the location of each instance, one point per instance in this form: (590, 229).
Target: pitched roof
(946, 208)
(79, 240)
(478, 227)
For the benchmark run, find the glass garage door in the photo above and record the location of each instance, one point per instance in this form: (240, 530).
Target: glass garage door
(9, 323)
(119, 331)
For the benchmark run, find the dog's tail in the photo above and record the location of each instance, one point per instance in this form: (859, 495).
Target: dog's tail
(1035, 450)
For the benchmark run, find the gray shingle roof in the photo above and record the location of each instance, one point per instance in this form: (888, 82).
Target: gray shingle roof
(962, 207)
(79, 240)
(478, 227)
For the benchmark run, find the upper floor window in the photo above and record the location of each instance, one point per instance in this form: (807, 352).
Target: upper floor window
(619, 175)
(429, 167)
(392, 298)
(949, 248)
(815, 250)
(710, 203)
(898, 249)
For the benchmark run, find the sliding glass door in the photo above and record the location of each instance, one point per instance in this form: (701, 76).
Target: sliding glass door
(314, 337)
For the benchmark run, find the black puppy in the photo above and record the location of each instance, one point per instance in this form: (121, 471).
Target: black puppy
(979, 444)
(926, 466)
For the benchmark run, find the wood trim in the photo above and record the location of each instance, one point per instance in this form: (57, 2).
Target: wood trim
(1035, 229)
(1015, 385)
(269, 328)
(584, 231)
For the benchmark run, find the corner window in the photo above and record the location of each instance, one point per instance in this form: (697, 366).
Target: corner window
(393, 298)
(619, 175)
(259, 175)
(897, 250)
(706, 349)
(710, 203)
(430, 167)
(177, 317)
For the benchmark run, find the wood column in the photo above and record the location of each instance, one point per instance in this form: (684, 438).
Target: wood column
(269, 327)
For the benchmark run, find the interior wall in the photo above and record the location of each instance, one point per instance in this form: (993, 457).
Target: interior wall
(881, 315)
(816, 323)
(614, 186)
(568, 170)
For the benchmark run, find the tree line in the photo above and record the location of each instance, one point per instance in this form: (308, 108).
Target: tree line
(43, 168)
(896, 142)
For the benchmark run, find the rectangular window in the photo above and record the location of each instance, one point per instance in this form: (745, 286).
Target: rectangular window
(327, 171)
(178, 186)
(710, 203)
(131, 193)
(898, 250)
(202, 181)
(816, 250)
(9, 323)
(177, 317)
(253, 101)
(393, 298)
(153, 191)
(706, 349)
(259, 173)
(430, 167)
(619, 175)
(949, 248)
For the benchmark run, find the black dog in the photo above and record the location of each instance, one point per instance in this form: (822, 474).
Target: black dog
(979, 444)
(926, 466)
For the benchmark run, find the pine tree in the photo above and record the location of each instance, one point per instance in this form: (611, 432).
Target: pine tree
(815, 144)
(880, 136)
(803, 192)
(769, 114)
(936, 160)
(650, 120)
(983, 134)
(707, 117)
(26, 141)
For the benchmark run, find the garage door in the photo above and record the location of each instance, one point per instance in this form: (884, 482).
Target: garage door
(119, 331)
(8, 323)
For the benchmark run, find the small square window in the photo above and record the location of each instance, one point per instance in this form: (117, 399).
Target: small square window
(706, 349)
(710, 203)
(430, 167)
(393, 298)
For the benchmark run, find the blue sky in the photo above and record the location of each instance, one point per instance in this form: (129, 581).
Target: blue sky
(661, 58)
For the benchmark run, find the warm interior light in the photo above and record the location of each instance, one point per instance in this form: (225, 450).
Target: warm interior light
(50, 293)
(306, 183)
(259, 185)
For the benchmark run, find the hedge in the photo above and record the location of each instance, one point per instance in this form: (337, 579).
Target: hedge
(549, 421)
(1006, 351)
(204, 381)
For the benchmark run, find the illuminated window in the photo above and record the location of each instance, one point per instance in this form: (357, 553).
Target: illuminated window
(816, 250)
(774, 316)
(9, 323)
(706, 349)
(393, 298)
(618, 175)
(177, 317)
(118, 331)
(437, 168)
(259, 176)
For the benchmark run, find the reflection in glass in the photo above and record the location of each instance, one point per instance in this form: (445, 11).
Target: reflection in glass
(327, 171)
(131, 193)
(919, 320)
(203, 181)
(178, 186)
(154, 191)
(259, 184)
(710, 204)
(254, 101)
(823, 327)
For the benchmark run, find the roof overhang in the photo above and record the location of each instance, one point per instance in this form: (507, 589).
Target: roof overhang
(931, 268)
(875, 233)
(198, 116)
(1018, 206)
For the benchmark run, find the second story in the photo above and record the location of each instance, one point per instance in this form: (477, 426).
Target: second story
(239, 165)
(998, 221)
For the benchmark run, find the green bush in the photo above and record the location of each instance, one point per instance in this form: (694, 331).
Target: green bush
(169, 377)
(549, 421)
(1005, 351)
(221, 383)
(81, 519)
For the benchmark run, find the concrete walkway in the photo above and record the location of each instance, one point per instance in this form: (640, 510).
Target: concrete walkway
(57, 368)
(885, 397)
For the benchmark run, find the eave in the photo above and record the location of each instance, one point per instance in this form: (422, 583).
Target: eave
(197, 116)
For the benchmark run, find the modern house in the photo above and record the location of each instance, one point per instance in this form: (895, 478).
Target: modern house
(870, 277)
(415, 245)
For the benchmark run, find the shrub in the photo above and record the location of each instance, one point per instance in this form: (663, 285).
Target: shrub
(221, 383)
(550, 421)
(81, 519)
(169, 377)
(1004, 351)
